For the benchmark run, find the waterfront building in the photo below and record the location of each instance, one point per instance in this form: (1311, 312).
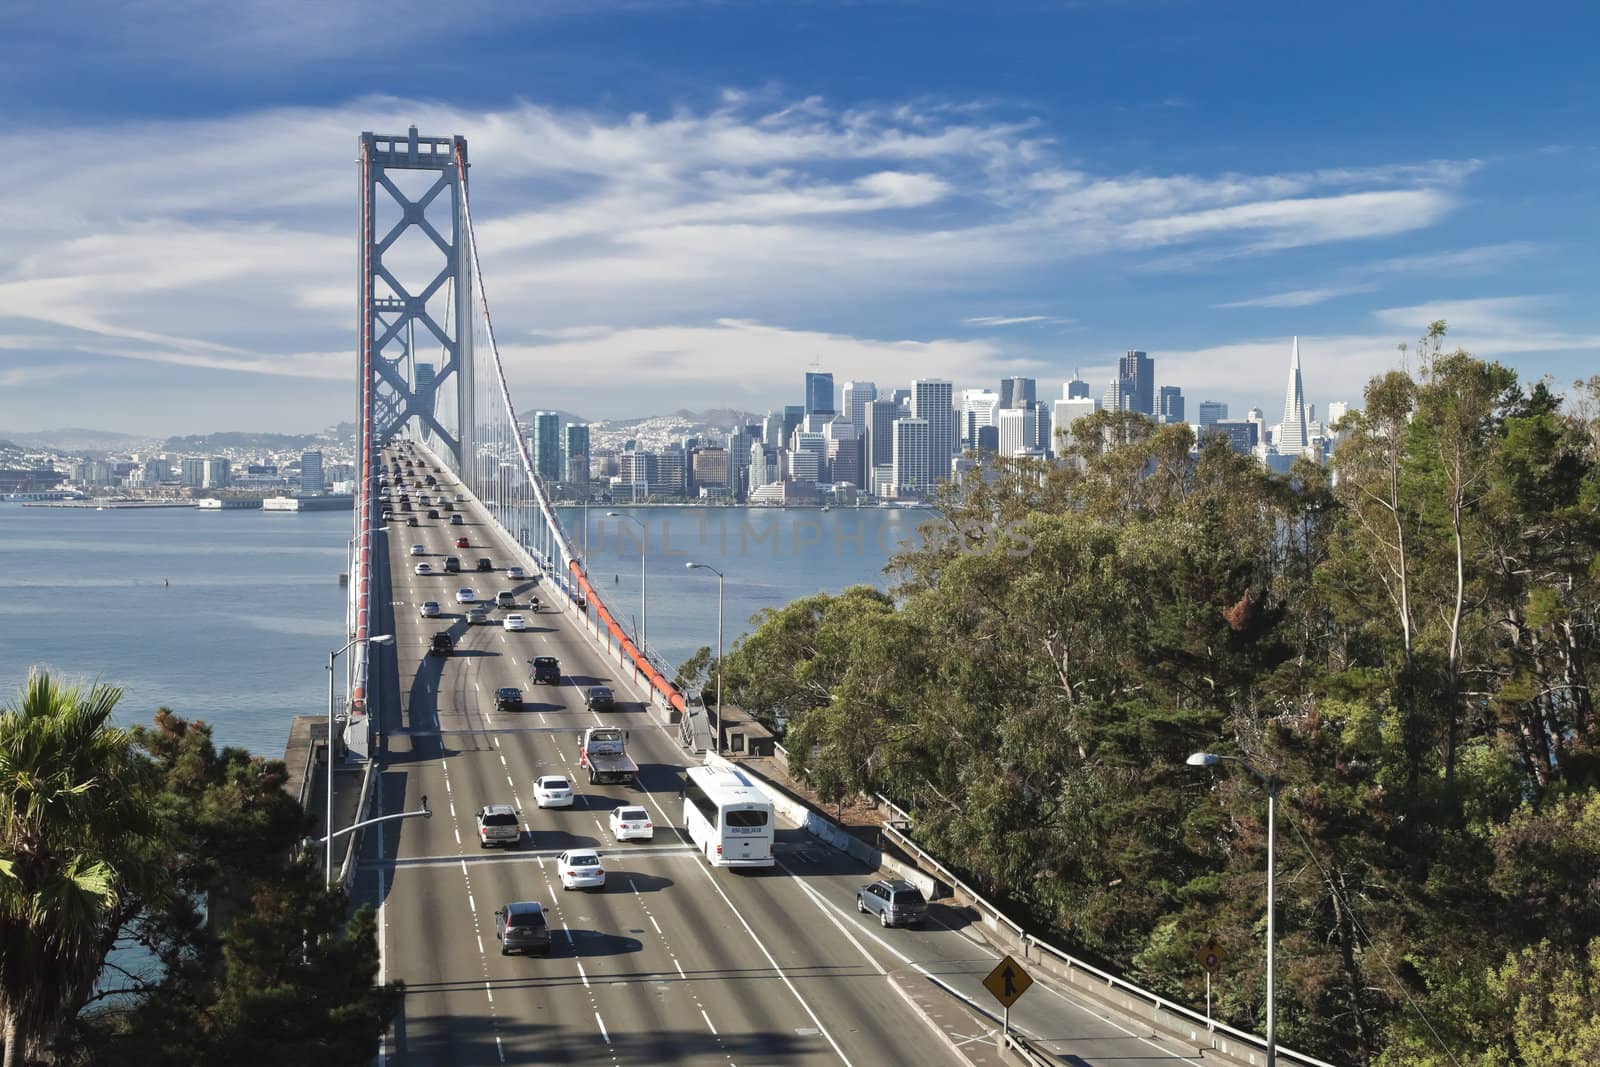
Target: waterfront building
(311, 480)
(712, 472)
(914, 457)
(931, 401)
(546, 445)
(576, 453)
(217, 474)
(672, 472)
(193, 471)
(881, 414)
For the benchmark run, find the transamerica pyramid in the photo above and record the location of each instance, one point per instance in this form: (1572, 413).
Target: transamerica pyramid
(1292, 435)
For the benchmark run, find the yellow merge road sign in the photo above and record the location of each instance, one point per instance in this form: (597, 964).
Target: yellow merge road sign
(1210, 955)
(1007, 982)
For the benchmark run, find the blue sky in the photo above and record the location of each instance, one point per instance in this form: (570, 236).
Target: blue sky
(686, 204)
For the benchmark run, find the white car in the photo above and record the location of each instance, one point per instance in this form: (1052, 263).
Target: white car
(516, 574)
(465, 595)
(418, 550)
(631, 823)
(429, 609)
(552, 791)
(423, 568)
(515, 622)
(581, 869)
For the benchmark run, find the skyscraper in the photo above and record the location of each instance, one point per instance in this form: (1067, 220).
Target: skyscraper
(913, 457)
(1169, 404)
(856, 397)
(1019, 431)
(1138, 373)
(546, 442)
(880, 432)
(1018, 392)
(931, 401)
(1292, 438)
(794, 416)
(1065, 414)
(577, 453)
(978, 409)
(819, 391)
(1076, 389)
(311, 482)
(772, 433)
(1117, 397)
(1211, 411)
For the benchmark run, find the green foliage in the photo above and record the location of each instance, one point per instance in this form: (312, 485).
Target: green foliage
(1410, 646)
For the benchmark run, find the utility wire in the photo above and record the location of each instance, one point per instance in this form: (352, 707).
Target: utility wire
(1356, 920)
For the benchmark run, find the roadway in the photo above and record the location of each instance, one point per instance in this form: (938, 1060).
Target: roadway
(673, 962)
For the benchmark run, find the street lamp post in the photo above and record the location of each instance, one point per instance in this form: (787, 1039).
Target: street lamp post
(1209, 759)
(719, 574)
(381, 639)
(644, 554)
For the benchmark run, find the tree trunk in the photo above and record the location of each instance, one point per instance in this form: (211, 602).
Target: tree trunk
(8, 1033)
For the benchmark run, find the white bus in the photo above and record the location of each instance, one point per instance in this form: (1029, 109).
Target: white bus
(728, 818)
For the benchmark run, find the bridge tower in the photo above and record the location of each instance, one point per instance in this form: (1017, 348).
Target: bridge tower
(416, 290)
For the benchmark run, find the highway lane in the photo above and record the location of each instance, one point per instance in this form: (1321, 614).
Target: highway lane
(674, 962)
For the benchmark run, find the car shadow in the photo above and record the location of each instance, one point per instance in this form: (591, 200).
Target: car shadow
(631, 881)
(591, 943)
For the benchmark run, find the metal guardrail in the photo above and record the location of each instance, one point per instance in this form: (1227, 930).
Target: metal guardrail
(1031, 944)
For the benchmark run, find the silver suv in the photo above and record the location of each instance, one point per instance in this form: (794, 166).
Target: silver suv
(497, 825)
(897, 902)
(521, 927)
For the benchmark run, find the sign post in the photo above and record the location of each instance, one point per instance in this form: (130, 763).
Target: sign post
(1210, 956)
(1006, 983)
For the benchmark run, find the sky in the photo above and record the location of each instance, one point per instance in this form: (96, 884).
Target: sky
(689, 205)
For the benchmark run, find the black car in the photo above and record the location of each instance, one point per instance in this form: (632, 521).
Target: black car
(521, 927)
(599, 698)
(433, 513)
(508, 699)
(411, 520)
(442, 644)
(485, 563)
(452, 564)
(431, 480)
(545, 670)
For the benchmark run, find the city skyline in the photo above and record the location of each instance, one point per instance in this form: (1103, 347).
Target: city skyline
(723, 216)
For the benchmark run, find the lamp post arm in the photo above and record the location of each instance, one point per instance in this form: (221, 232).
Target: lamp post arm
(424, 813)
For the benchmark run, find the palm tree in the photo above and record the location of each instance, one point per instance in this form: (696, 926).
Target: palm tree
(73, 820)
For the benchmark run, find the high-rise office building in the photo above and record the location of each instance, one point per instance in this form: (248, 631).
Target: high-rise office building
(1076, 389)
(931, 402)
(1041, 427)
(1242, 436)
(1212, 411)
(856, 397)
(311, 482)
(193, 471)
(844, 459)
(576, 452)
(1117, 397)
(979, 408)
(1064, 414)
(881, 414)
(217, 475)
(713, 471)
(546, 442)
(772, 433)
(987, 440)
(672, 471)
(1337, 410)
(1018, 392)
(1138, 373)
(819, 391)
(914, 457)
(1019, 431)
(794, 416)
(1169, 404)
(423, 377)
(1293, 436)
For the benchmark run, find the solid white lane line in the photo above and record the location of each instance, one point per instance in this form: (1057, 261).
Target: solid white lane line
(581, 972)
(678, 965)
(707, 1018)
(653, 922)
(457, 831)
(774, 963)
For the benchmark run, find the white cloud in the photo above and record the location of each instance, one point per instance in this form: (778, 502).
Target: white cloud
(229, 243)
(1014, 320)
(1299, 298)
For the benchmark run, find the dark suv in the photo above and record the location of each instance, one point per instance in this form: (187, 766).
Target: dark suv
(545, 669)
(442, 644)
(897, 902)
(508, 699)
(485, 563)
(452, 564)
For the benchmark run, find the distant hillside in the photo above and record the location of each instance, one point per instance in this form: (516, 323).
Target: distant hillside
(264, 442)
(77, 439)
